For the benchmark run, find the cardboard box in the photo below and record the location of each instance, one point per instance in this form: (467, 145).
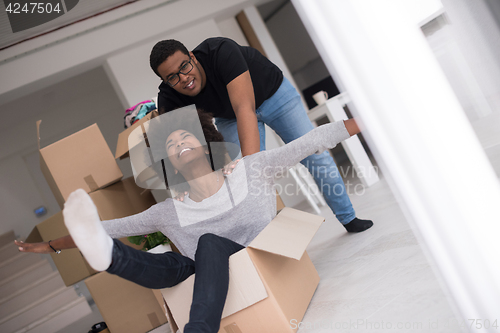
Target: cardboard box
(122, 146)
(70, 263)
(116, 201)
(81, 160)
(122, 199)
(125, 306)
(279, 203)
(271, 283)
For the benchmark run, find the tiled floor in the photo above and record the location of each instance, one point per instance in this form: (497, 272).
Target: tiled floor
(375, 281)
(378, 280)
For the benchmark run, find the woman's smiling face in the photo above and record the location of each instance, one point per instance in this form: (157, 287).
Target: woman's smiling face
(183, 147)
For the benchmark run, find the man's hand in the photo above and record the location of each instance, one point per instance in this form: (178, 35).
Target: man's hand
(228, 169)
(180, 196)
(242, 98)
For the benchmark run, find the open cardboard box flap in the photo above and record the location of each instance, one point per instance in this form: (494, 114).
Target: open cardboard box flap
(245, 289)
(288, 234)
(123, 144)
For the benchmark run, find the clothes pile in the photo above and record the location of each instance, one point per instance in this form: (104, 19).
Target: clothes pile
(138, 111)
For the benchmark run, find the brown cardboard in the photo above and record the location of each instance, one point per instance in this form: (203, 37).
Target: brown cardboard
(122, 146)
(122, 199)
(81, 160)
(279, 203)
(116, 201)
(70, 263)
(288, 234)
(125, 306)
(285, 271)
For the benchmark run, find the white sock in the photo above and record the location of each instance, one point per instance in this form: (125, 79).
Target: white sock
(84, 225)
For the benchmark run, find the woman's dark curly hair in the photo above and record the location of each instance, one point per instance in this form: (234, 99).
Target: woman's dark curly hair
(161, 128)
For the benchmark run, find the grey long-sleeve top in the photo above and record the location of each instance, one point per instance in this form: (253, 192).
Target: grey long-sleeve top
(242, 207)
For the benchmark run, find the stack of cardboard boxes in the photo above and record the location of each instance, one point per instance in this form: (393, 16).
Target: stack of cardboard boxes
(84, 160)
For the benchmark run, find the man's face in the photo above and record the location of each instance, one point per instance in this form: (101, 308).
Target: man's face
(189, 84)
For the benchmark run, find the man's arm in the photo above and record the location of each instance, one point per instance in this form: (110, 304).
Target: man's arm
(242, 99)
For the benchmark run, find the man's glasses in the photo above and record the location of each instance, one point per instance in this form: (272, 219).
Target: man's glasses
(173, 79)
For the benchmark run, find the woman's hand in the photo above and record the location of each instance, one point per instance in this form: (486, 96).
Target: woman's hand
(34, 247)
(351, 127)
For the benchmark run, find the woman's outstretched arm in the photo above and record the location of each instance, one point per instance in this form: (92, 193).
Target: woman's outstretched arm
(316, 141)
(62, 243)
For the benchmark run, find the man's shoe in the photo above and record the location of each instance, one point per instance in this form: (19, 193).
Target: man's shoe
(358, 225)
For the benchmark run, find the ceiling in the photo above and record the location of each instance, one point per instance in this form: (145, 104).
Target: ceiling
(62, 92)
(77, 10)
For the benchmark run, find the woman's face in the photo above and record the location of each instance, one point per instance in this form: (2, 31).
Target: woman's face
(182, 148)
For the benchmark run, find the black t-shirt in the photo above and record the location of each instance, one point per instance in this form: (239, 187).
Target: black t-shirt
(223, 60)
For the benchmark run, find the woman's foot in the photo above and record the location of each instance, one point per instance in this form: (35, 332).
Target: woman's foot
(84, 225)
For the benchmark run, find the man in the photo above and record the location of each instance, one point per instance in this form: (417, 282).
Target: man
(244, 91)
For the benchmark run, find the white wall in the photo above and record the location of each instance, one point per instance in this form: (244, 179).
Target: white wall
(18, 197)
(78, 102)
(465, 42)
(230, 28)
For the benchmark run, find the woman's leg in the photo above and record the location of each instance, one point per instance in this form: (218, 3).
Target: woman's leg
(211, 283)
(166, 270)
(150, 270)
(103, 253)
(156, 270)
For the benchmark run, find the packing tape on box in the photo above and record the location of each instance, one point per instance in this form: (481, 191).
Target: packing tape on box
(232, 328)
(91, 183)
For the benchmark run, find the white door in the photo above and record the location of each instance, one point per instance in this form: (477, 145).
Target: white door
(418, 129)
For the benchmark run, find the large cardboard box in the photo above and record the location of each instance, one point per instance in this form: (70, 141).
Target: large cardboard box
(118, 200)
(81, 160)
(122, 146)
(271, 281)
(125, 306)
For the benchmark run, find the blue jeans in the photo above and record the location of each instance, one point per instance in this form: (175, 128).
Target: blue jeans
(157, 271)
(285, 114)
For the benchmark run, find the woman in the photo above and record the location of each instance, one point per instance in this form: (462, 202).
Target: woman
(218, 216)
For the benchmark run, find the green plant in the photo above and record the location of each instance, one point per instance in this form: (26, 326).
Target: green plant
(150, 241)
